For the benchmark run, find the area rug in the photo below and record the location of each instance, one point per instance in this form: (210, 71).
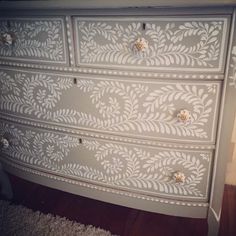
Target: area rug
(16, 220)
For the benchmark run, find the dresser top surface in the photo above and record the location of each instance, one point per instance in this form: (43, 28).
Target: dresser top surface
(93, 4)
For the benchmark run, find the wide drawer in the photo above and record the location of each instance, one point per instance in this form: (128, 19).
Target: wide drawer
(134, 108)
(186, 43)
(153, 171)
(41, 40)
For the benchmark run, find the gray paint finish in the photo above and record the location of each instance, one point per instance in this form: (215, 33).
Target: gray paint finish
(80, 4)
(121, 102)
(138, 109)
(172, 43)
(132, 168)
(40, 40)
(228, 113)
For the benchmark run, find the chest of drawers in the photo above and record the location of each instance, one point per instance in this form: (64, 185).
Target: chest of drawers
(133, 107)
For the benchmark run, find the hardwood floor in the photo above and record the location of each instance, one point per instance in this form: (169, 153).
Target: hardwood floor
(228, 215)
(119, 220)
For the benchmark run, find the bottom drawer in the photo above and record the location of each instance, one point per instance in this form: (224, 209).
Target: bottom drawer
(156, 172)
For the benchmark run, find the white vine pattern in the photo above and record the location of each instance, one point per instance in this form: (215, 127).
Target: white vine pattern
(115, 106)
(113, 43)
(35, 94)
(159, 109)
(112, 164)
(41, 39)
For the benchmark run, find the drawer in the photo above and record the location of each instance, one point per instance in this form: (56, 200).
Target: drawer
(159, 172)
(185, 43)
(41, 40)
(182, 111)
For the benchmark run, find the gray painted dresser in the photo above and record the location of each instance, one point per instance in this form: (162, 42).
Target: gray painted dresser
(129, 105)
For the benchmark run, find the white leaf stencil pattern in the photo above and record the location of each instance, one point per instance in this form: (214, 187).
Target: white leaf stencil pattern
(113, 106)
(112, 164)
(35, 39)
(102, 42)
(37, 94)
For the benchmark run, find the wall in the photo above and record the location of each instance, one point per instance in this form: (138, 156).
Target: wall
(231, 166)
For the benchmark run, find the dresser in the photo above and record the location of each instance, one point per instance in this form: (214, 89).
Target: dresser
(130, 105)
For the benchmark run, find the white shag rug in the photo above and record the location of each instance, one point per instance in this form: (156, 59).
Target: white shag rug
(16, 220)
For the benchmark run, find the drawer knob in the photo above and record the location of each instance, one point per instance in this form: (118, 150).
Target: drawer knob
(8, 38)
(179, 177)
(4, 143)
(184, 116)
(141, 45)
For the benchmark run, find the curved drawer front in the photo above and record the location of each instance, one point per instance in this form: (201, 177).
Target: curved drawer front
(33, 40)
(148, 170)
(160, 110)
(156, 43)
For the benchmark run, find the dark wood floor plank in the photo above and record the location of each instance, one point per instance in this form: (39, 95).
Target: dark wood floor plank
(119, 220)
(228, 214)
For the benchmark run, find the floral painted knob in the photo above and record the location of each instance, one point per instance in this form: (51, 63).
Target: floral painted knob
(8, 38)
(141, 45)
(184, 116)
(4, 143)
(179, 177)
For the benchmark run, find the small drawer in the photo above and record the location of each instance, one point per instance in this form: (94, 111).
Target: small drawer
(159, 172)
(194, 44)
(160, 110)
(41, 40)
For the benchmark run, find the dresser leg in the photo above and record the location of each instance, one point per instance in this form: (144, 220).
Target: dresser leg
(5, 185)
(213, 223)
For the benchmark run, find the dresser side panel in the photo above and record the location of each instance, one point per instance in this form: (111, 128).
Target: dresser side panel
(228, 112)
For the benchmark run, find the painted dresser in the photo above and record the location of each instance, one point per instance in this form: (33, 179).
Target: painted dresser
(133, 106)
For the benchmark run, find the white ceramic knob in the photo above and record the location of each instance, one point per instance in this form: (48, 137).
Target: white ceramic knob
(179, 177)
(4, 143)
(7, 39)
(184, 116)
(141, 45)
